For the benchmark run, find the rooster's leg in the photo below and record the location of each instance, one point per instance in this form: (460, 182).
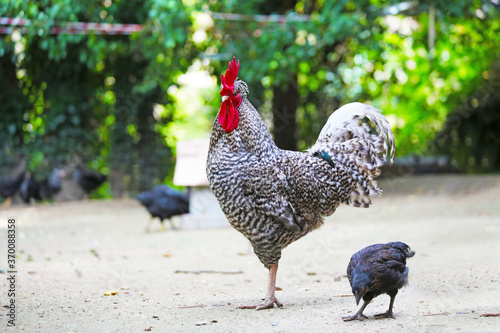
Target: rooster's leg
(271, 288)
(387, 314)
(357, 314)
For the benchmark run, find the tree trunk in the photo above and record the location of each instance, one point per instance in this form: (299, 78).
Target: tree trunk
(154, 162)
(285, 103)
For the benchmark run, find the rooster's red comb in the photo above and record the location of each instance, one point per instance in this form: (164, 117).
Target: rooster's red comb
(229, 78)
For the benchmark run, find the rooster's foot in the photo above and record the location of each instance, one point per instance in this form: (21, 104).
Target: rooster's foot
(268, 304)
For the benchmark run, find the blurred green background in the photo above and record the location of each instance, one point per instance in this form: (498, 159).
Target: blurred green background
(121, 102)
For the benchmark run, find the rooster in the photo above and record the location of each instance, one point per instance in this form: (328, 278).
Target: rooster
(378, 269)
(274, 196)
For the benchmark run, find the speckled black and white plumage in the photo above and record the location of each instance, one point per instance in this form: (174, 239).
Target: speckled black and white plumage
(255, 182)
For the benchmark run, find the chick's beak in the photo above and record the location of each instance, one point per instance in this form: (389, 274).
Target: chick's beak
(357, 296)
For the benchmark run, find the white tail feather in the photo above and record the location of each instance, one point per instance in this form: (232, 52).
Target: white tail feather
(344, 124)
(349, 141)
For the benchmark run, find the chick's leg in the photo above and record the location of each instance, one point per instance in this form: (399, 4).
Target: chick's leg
(271, 288)
(387, 314)
(358, 314)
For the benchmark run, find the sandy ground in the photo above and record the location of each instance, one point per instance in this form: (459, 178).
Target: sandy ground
(71, 254)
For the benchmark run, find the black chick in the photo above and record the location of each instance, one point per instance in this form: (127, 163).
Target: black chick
(88, 180)
(164, 202)
(9, 186)
(378, 269)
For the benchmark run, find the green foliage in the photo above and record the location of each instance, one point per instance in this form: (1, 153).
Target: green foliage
(118, 103)
(92, 96)
(419, 87)
(470, 133)
(353, 51)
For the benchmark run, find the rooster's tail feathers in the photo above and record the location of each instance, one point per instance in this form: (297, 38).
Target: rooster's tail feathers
(352, 144)
(346, 124)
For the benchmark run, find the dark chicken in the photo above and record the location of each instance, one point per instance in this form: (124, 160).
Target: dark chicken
(164, 202)
(52, 185)
(273, 196)
(30, 189)
(43, 190)
(88, 180)
(378, 269)
(9, 187)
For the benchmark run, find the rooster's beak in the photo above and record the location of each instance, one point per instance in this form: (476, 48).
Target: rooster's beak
(224, 98)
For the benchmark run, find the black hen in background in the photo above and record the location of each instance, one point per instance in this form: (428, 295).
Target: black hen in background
(9, 186)
(164, 202)
(88, 180)
(43, 190)
(378, 269)
(29, 189)
(52, 185)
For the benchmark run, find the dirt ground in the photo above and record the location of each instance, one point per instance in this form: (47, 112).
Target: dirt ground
(71, 254)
